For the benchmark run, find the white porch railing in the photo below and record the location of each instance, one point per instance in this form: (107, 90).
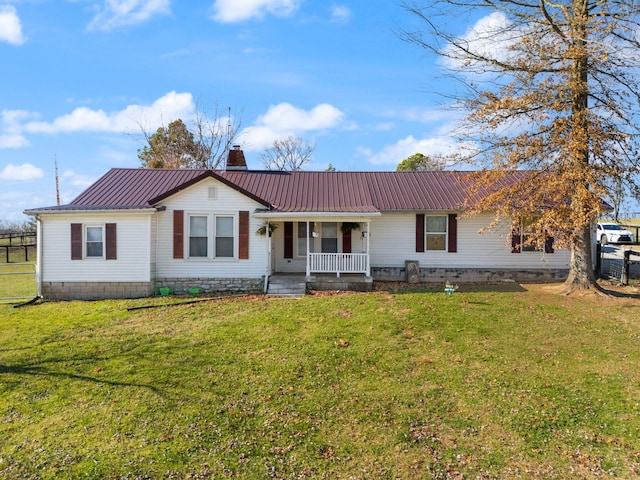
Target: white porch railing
(338, 263)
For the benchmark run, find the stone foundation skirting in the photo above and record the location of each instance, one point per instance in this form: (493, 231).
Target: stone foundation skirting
(437, 275)
(95, 290)
(354, 283)
(212, 285)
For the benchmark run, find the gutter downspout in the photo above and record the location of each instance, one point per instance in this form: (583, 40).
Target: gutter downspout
(268, 270)
(39, 255)
(308, 272)
(368, 249)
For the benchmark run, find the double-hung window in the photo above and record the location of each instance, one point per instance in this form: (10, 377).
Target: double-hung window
(198, 236)
(522, 238)
(329, 242)
(302, 238)
(94, 242)
(211, 236)
(224, 238)
(436, 232)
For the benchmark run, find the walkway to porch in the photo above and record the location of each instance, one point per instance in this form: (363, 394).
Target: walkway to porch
(291, 284)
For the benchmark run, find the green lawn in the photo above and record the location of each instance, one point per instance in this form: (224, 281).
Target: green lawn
(485, 384)
(17, 280)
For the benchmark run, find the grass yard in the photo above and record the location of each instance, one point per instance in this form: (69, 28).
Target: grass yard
(17, 280)
(478, 384)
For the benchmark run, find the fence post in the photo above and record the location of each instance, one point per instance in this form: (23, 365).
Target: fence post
(598, 259)
(625, 268)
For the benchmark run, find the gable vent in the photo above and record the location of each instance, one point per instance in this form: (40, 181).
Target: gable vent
(213, 193)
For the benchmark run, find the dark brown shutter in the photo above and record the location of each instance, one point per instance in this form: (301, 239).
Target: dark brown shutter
(76, 241)
(346, 241)
(178, 234)
(515, 241)
(288, 239)
(112, 246)
(548, 245)
(243, 237)
(420, 233)
(453, 233)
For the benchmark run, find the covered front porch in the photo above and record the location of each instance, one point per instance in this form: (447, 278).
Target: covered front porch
(319, 246)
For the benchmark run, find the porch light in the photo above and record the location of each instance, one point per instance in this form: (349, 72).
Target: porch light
(365, 234)
(315, 234)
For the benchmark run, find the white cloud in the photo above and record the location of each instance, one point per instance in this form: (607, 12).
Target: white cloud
(171, 106)
(230, 11)
(21, 173)
(394, 154)
(284, 119)
(71, 177)
(120, 13)
(13, 141)
(489, 37)
(10, 27)
(340, 14)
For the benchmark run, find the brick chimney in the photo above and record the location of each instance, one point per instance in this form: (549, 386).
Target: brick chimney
(236, 159)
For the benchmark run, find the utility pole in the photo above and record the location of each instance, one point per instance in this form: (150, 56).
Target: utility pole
(55, 162)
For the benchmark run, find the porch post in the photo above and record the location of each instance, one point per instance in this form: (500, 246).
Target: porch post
(308, 261)
(368, 252)
(268, 270)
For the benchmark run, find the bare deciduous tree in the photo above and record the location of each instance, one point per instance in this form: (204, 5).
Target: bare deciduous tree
(289, 153)
(551, 92)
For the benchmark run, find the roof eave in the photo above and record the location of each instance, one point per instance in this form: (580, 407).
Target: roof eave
(284, 215)
(89, 210)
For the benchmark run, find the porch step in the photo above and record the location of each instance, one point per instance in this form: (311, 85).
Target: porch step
(287, 285)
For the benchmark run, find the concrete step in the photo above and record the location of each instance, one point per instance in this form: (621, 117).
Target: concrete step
(286, 286)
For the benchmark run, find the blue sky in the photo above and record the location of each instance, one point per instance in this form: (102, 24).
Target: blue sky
(80, 78)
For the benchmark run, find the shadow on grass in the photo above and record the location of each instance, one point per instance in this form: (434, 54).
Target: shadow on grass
(33, 370)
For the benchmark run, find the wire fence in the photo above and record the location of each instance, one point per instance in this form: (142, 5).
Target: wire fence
(17, 281)
(620, 263)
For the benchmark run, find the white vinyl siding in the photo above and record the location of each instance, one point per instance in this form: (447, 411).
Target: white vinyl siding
(393, 242)
(195, 201)
(133, 263)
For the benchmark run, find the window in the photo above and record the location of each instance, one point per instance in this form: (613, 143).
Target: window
(198, 240)
(527, 234)
(94, 244)
(329, 237)
(224, 237)
(302, 238)
(94, 241)
(211, 236)
(436, 232)
(522, 238)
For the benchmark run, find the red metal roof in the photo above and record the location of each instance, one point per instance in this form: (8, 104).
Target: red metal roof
(300, 191)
